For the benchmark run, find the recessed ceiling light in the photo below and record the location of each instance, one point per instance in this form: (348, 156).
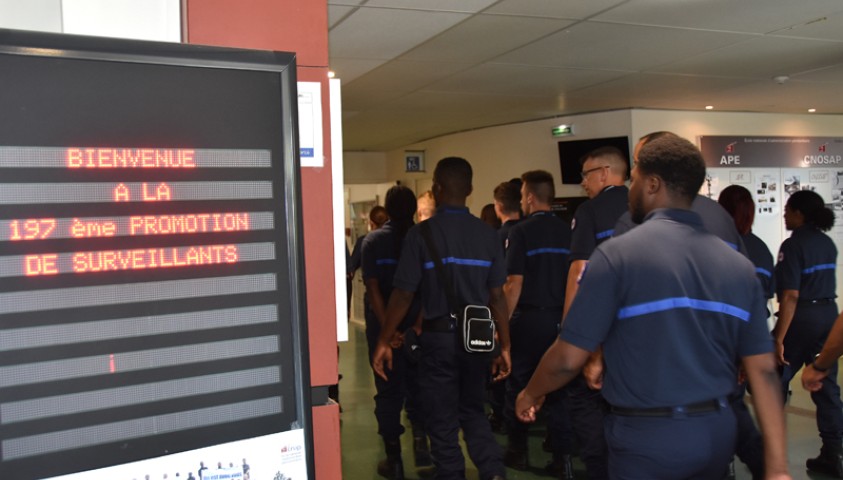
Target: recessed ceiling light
(709, 107)
(812, 110)
(331, 74)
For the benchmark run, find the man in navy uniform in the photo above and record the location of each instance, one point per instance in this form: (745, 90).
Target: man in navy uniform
(507, 207)
(675, 309)
(536, 258)
(452, 380)
(604, 172)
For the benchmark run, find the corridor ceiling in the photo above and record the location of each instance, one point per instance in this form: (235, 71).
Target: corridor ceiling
(417, 69)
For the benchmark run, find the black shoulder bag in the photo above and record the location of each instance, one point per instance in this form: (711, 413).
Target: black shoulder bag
(475, 325)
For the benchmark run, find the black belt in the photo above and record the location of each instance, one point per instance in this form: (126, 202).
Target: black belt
(521, 307)
(695, 408)
(816, 301)
(441, 324)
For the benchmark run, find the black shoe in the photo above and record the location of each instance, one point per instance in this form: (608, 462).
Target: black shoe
(515, 458)
(421, 451)
(562, 468)
(827, 463)
(391, 469)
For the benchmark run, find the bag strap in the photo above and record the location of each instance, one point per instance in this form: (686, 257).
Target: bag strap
(444, 279)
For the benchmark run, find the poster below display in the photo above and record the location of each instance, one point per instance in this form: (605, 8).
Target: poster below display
(278, 456)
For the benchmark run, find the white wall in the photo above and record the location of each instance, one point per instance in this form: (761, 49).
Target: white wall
(500, 153)
(137, 19)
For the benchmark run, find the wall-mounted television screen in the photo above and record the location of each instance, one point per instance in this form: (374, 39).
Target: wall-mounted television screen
(152, 319)
(571, 152)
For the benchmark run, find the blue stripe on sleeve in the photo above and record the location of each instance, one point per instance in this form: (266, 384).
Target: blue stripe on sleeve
(461, 261)
(561, 251)
(764, 272)
(733, 245)
(605, 234)
(682, 302)
(816, 268)
(386, 261)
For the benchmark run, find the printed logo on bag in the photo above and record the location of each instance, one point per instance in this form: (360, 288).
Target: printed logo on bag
(481, 343)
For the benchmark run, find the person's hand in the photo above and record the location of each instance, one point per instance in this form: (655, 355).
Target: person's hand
(780, 353)
(592, 371)
(527, 406)
(502, 366)
(397, 340)
(382, 358)
(812, 378)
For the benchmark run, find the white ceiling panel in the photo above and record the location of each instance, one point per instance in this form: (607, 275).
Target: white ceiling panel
(376, 33)
(618, 47)
(577, 9)
(414, 70)
(337, 13)
(762, 58)
(483, 37)
(467, 6)
(510, 79)
(827, 28)
(750, 16)
(348, 69)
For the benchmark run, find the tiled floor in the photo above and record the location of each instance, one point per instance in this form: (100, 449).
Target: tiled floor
(362, 447)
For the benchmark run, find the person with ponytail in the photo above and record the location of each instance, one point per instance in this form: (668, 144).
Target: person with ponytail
(380, 253)
(806, 286)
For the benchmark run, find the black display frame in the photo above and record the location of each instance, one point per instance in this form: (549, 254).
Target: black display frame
(52, 49)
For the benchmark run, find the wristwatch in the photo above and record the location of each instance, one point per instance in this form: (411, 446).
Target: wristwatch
(817, 368)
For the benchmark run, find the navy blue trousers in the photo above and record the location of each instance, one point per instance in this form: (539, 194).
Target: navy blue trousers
(531, 334)
(401, 392)
(453, 387)
(805, 338)
(588, 411)
(749, 446)
(669, 448)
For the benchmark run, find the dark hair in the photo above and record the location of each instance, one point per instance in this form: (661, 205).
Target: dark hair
(378, 215)
(812, 206)
(401, 205)
(676, 161)
(613, 156)
(656, 135)
(508, 194)
(540, 184)
(454, 174)
(489, 216)
(738, 202)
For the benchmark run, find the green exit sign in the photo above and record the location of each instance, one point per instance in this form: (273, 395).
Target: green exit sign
(563, 130)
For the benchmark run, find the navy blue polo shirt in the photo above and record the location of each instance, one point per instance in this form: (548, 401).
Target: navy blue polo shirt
(674, 308)
(594, 221)
(761, 257)
(807, 262)
(471, 252)
(503, 232)
(380, 252)
(538, 249)
(715, 219)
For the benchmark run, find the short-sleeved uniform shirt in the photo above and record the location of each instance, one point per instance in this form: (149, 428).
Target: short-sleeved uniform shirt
(538, 249)
(594, 221)
(471, 252)
(503, 232)
(674, 307)
(380, 253)
(761, 257)
(715, 219)
(807, 262)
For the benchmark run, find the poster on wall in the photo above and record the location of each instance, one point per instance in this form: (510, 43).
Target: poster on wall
(773, 169)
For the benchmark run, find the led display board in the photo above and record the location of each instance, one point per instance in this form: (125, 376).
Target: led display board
(151, 283)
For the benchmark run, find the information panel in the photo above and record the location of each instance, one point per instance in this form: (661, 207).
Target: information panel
(151, 297)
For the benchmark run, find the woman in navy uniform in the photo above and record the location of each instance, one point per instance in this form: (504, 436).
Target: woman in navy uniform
(380, 252)
(805, 286)
(738, 202)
